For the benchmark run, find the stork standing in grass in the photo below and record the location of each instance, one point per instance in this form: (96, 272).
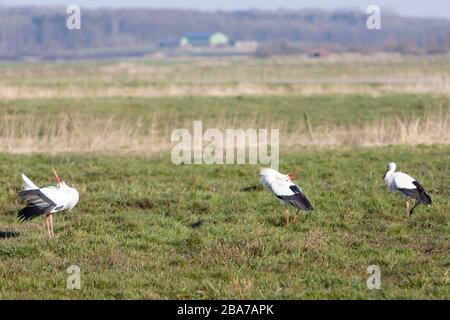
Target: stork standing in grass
(47, 200)
(287, 192)
(407, 186)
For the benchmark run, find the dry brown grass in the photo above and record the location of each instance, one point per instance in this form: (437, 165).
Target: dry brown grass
(77, 133)
(65, 133)
(433, 129)
(330, 86)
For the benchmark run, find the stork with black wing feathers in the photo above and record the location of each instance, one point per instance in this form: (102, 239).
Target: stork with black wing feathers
(287, 192)
(407, 186)
(47, 200)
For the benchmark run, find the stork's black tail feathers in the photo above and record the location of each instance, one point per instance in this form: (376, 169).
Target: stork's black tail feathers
(29, 212)
(298, 200)
(422, 196)
(37, 204)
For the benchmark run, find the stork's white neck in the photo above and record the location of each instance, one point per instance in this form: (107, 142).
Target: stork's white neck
(390, 172)
(388, 178)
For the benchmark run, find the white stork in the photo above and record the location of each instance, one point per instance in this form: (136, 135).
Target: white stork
(287, 192)
(407, 186)
(47, 200)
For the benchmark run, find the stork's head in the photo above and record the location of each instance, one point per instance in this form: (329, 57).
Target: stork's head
(292, 176)
(59, 182)
(72, 192)
(391, 168)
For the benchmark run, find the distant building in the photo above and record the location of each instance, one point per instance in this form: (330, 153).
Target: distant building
(217, 39)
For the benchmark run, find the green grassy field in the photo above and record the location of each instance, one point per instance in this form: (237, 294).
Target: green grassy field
(133, 234)
(263, 110)
(146, 228)
(278, 75)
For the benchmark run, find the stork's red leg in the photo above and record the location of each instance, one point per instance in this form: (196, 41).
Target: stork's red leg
(51, 225)
(407, 208)
(47, 223)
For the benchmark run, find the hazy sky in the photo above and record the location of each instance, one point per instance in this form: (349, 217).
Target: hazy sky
(422, 8)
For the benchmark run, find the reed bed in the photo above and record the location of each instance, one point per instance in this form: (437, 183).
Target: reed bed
(61, 133)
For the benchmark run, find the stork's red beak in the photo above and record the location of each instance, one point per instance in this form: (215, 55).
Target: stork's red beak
(58, 179)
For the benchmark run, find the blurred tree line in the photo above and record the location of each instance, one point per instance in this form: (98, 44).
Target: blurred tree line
(42, 33)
